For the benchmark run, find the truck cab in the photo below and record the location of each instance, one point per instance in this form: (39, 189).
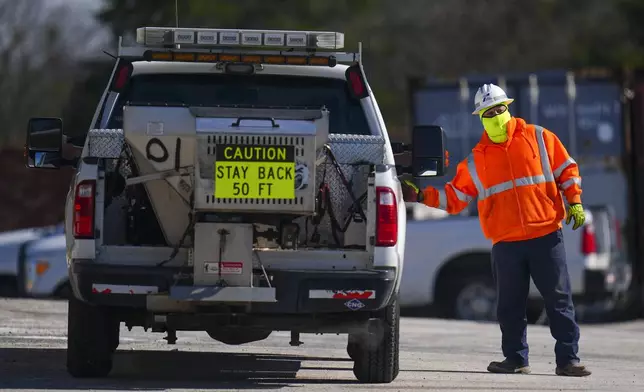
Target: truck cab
(237, 182)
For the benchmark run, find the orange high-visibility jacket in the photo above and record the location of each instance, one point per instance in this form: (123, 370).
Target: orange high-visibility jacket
(517, 183)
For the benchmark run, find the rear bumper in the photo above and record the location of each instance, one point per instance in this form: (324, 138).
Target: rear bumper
(601, 285)
(296, 292)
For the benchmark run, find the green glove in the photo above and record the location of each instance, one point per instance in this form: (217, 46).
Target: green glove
(411, 193)
(576, 211)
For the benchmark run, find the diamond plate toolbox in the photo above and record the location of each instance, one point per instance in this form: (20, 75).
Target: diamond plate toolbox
(353, 149)
(354, 154)
(105, 143)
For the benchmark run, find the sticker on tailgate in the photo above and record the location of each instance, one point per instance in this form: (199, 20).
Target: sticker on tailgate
(342, 294)
(254, 172)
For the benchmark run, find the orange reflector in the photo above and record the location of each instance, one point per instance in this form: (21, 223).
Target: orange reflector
(319, 60)
(207, 58)
(161, 56)
(237, 58)
(229, 57)
(274, 59)
(296, 60)
(184, 56)
(41, 267)
(251, 59)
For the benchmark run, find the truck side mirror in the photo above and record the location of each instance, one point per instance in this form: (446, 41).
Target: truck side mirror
(44, 143)
(428, 151)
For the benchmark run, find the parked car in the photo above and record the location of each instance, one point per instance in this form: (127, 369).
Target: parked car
(10, 244)
(448, 264)
(45, 268)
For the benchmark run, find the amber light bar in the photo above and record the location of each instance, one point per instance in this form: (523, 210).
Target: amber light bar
(150, 55)
(198, 37)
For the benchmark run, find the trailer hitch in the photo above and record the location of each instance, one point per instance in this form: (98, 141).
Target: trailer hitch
(171, 338)
(295, 339)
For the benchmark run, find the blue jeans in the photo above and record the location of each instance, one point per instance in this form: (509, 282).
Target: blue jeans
(544, 259)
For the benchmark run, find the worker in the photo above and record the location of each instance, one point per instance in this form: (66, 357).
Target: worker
(517, 171)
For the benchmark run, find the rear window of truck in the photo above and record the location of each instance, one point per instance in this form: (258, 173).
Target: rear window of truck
(346, 114)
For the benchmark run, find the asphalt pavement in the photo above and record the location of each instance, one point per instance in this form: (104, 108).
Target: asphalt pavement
(436, 355)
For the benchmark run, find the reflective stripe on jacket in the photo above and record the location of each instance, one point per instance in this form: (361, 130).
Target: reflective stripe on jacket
(517, 183)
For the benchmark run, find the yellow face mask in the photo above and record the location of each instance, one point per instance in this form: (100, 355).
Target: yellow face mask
(495, 126)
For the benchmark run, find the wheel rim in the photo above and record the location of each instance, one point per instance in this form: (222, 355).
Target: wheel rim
(477, 301)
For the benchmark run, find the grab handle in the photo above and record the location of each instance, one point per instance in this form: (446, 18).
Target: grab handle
(271, 119)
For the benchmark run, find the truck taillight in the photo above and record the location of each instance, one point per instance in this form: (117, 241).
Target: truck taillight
(386, 217)
(84, 209)
(356, 81)
(588, 241)
(122, 76)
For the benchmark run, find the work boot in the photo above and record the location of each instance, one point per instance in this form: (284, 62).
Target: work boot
(507, 367)
(573, 370)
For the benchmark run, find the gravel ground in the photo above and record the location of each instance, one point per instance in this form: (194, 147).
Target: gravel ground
(436, 355)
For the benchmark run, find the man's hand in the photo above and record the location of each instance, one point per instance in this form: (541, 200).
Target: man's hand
(410, 191)
(576, 212)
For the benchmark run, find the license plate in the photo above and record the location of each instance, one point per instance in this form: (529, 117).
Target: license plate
(245, 171)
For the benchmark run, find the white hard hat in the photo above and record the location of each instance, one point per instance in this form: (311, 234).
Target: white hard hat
(490, 95)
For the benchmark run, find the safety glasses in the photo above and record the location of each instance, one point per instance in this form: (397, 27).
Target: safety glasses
(495, 111)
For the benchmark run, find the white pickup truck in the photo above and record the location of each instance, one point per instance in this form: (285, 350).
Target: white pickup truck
(236, 182)
(448, 265)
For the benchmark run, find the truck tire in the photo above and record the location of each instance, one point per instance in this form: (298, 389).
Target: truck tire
(377, 352)
(534, 308)
(21, 277)
(114, 336)
(471, 297)
(352, 346)
(8, 287)
(90, 339)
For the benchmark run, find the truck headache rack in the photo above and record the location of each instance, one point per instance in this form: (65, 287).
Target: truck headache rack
(238, 46)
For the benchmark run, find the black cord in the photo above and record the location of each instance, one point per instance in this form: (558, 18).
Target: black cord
(325, 202)
(306, 231)
(335, 225)
(345, 182)
(351, 211)
(114, 175)
(222, 245)
(190, 226)
(320, 210)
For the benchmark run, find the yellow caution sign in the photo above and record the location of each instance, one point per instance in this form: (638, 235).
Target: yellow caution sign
(254, 172)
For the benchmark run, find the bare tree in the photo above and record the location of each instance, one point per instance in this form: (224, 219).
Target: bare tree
(39, 47)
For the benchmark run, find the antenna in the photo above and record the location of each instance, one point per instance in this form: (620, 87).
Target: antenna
(110, 54)
(176, 12)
